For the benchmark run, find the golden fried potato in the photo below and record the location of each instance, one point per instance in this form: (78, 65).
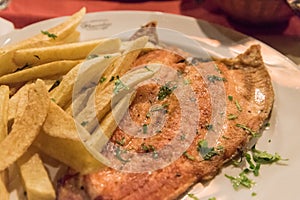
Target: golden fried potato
(41, 55)
(60, 139)
(37, 183)
(4, 96)
(41, 71)
(46, 38)
(27, 124)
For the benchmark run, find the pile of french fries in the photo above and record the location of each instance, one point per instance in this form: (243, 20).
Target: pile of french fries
(41, 118)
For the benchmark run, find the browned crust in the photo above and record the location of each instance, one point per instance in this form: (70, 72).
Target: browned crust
(245, 76)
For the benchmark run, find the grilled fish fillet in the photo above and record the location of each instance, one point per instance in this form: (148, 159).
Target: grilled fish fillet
(248, 97)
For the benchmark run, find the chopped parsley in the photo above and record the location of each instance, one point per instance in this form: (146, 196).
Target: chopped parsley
(145, 128)
(182, 137)
(107, 56)
(102, 79)
(232, 117)
(238, 106)
(159, 108)
(147, 68)
(230, 98)
(91, 56)
(192, 196)
(121, 142)
(254, 167)
(150, 148)
(50, 35)
(52, 99)
(209, 127)
(214, 78)
(147, 148)
(253, 194)
(165, 91)
(254, 158)
(188, 156)
(119, 153)
(240, 180)
(119, 85)
(208, 152)
(84, 123)
(264, 157)
(212, 198)
(186, 81)
(247, 129)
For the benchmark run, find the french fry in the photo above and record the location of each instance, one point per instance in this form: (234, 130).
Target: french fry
(73, 37)
(61, 31)
(124, 63)
(108, 125)
(112, 94)
(59, 139)
(104, 90)
(19, 99)
(41, 71)
(62, 94)
(4, 96)
(41, 55)
(35, 178)
(27, 125)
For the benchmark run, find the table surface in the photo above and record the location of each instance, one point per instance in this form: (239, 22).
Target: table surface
(284, 37)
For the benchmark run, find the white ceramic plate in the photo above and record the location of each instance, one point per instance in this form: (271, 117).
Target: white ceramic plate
(275, 181)
(6, 26)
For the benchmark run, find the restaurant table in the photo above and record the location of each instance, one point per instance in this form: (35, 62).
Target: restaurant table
(284, 37)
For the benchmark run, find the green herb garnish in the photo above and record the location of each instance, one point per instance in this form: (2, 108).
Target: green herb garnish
(119, 85)
(238, 106)
(208, 152)
(121, 142)
(209, 127)
(232, 117)
(50, 35)
(91, 56)
(145, 128)
(254, 167)
(230, 98)
(192, 196)
(214, 78)
(119, 153)
(165, 91)
(240, 180)
(263, 157)
(102, 79)
(188, 156)
(247, 129)
(147, 68)
(159, 108)
(147, 148)
(84, 123)
(186, 81)
(182, 137)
